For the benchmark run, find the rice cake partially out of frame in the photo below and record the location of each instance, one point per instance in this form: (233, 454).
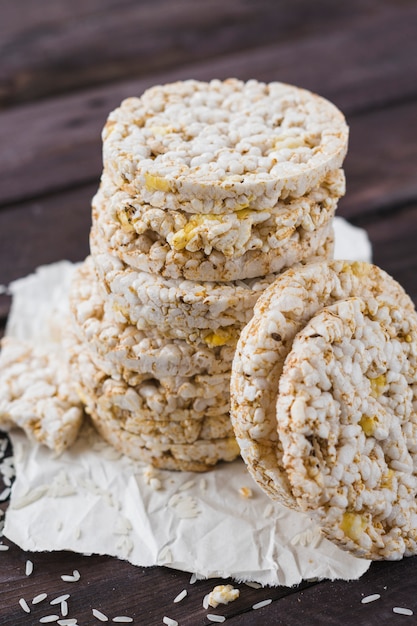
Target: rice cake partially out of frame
(280, 313)
(347, 423)
(212, 147)
(38, 395)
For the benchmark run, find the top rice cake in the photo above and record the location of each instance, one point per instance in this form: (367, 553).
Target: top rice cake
(221, 146)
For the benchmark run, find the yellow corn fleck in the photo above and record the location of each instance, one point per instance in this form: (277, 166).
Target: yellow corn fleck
(353, 525)
(118, 308)
(243, 212)
(289, 142)
(357, 268)
(386, 481)
(367, 424)
(124, 221)
(162, 130)
(156, 183)
(408, 338)
(220, 337)
(377, 385)
(184, 236)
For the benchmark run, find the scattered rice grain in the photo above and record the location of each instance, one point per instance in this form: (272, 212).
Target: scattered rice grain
(28, 567)
(60, 599)
(5, 494)
(371, 598)
(216, 618)
(187, 485)
(206, 603)
(122, 619)
(180, 596)
(169, 622)
(29, 498)
(3, 547)
(100, 616)
(253, 585)
(399, 610)
(71, 578)
(64, 608)
(39, 598)
(165, 556)
(24, 605)
(193, 579)
(72, 621)
(260, 605)
(48, 619)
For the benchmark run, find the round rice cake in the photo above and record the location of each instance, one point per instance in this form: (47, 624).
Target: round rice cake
(151, 426)
(212, 313)
(147, 253)
(280, 313)
(173, 398)
(348, 425)
(231, 234)
(177, 308)
(212, 147)
(199, 456)
(127, 352)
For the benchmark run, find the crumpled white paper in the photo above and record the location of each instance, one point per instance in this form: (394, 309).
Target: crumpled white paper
(91, 499)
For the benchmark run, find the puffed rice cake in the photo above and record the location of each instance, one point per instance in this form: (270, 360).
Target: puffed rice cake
(210, 312)
(213, 147)
(38, 395)
(280, 313)
(229, 246)
(165, 426)
(347, 423)
(128, 352)
(146, 253)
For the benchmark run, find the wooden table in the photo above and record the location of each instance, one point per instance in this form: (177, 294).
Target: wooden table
(64, 66)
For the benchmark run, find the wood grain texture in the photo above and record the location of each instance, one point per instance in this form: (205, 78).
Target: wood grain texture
(55, 144)
(57, 49)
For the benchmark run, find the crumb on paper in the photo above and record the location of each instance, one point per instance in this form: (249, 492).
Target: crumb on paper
(246, 492)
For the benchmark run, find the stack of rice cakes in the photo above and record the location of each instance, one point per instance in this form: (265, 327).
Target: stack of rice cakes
(209, 191)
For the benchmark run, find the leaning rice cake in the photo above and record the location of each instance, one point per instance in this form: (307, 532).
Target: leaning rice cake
(347, 423)
(280, 313)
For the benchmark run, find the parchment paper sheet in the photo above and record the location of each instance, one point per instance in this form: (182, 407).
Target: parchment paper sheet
(93, 500)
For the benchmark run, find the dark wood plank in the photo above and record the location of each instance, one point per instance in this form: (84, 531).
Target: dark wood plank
(394, 239)
(59, 49)
(339, 602)
(381, 162)
(112, 586)
(43, 231)
(55, 144)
